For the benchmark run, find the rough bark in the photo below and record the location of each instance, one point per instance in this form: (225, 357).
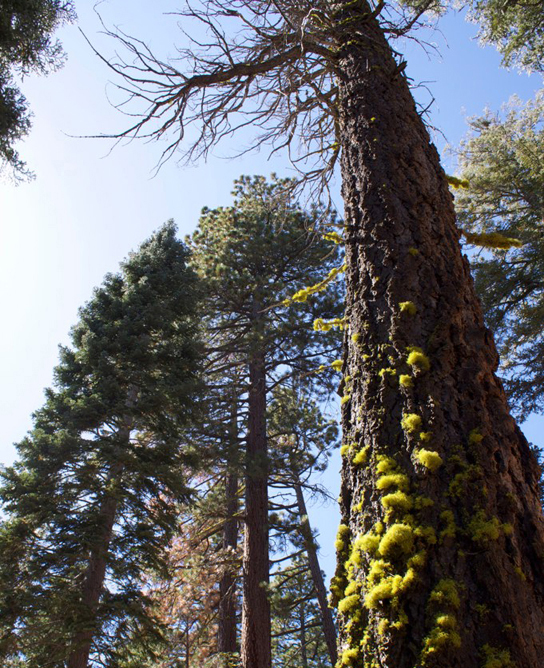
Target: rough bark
(256, 630)
(327, 621)
(96, 572)
(227, 636)
(476, 588)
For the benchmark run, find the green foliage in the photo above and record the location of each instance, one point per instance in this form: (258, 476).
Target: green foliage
(503, 160)
(516, 28)
(26, 45)
(106, 444)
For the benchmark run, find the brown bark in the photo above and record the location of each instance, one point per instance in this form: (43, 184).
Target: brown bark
(483, 501)
(95, 574)
(256, 631)
(327, 621)
(227, 636)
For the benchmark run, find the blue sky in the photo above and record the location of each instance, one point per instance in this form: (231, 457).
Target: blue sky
(90, 205)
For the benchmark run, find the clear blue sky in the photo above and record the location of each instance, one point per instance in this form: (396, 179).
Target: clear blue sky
(88, 207)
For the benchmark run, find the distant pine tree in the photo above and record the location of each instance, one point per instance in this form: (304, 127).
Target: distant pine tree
(90, 505)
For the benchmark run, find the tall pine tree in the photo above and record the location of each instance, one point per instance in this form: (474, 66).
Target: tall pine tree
(90, 504)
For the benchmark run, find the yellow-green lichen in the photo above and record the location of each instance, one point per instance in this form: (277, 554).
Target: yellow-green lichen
(344, 450)
(417, 359)
(399, 480)
(429, 459)
(475, 437)
(398, 539)
(493, 240)
(425, 436)
(483, 530)
(397, 501)
(405, 380)
(413, 251)
(345, 399)
(342, 538)
(411, 423)
(387, 371)
(361, 457)
(445, 595)
(496, 658)
(337, 365)
(409, 308)
(449, 530)
(356, 337)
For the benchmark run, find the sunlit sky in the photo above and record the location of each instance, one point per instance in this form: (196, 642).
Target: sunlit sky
(90, 203)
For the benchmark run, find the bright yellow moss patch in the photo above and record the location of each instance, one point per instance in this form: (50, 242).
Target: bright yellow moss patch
(417, 359)
(398, 501)
(408, 308)
(337, 365)
(411, 423)
(399, 480)
(398, 539)
(345, 399)
(361, 457)
(405, 380)
(321, 325)
(483, 530)
(429, 459)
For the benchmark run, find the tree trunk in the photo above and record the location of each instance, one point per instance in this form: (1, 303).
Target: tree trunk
(227, 635)
(303, 650)
(256, 631)
(96, 572)
(441, 549)
(327, 621)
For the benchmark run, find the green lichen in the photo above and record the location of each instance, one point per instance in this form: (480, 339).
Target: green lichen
(413, 251)
(361, 457)
(399, 480)
(450, 529)
(475, 437)
(483, 530)
(409, 308)
(425, 436)
(445, 595)
(519, 572)
(397, 501)
(411, 423)
(456, 183)
(492, 240)
(398, 539)
(387, 371)
(496, 658)
(417, 359)
(342, 538)
(345, 399)
(356, 337)
(461, 481)
(405, 380)
(429, 459)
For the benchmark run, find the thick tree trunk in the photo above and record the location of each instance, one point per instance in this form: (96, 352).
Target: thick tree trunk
(227, 636)
(442, 545)
(96, 572)
(256, 632)
(329, 629)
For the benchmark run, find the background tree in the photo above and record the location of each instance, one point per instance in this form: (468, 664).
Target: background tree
(26, 45)
(502, 164)
(419, 391)
(90, 503)
(254, 257)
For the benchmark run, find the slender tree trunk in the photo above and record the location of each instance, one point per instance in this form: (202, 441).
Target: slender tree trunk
(303, 650)
(329, 629)
(256, 632)
(443, 539)
(96, 572)
(227, 635)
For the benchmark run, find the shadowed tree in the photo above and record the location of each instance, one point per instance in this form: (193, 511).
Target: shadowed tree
(440, 501)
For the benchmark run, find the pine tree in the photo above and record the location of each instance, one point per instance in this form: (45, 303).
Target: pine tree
(26, 45)
(500, 207)
(442, 533)
(90, 503)
(256, 257)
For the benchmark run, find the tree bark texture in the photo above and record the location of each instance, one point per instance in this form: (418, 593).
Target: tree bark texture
(256, 631)
(441, 548)
(96, 572)
(327, 621)
(227, 587)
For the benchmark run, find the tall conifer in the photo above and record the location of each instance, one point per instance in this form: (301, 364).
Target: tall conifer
(90, 503)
